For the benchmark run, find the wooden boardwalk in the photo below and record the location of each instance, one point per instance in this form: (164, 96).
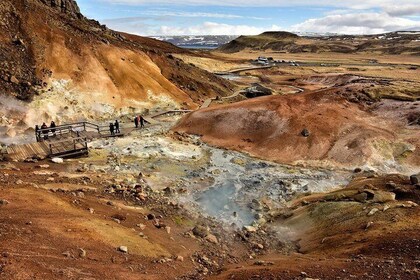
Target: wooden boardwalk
(67, 140)
(70, 140)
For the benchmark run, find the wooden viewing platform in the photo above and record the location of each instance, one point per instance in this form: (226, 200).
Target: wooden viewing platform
(70, 140)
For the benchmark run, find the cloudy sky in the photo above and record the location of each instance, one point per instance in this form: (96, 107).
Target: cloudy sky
(245, 17)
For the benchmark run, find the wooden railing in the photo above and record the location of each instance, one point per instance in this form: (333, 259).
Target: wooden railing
(68, 145)
(70, 129)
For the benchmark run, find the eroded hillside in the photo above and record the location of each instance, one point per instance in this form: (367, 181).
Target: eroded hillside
(43, 43)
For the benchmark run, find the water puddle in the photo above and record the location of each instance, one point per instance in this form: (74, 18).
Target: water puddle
(244, 186)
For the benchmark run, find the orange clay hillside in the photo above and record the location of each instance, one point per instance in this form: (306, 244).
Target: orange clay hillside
(317, 125)
(42, 42)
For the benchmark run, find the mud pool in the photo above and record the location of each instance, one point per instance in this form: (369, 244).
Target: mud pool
(229, 186)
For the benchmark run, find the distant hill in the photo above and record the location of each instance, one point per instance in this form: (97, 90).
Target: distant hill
(198, 42)
(403, 42)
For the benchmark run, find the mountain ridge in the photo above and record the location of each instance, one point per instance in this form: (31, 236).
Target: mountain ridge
(399, 42)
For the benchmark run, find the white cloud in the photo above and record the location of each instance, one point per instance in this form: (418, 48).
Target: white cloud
(198, 15)
(403, 10)
(353, 4)
(213, 28)
(357, 23)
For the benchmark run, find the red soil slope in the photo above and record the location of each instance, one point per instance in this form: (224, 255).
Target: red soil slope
(270, 127)
(41, 42)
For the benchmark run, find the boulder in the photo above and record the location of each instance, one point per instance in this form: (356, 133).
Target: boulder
(82, 253)
(123, 249)
(57, 160)
(305, 132)
(381, 196)
(211, 238)
(250, 228)
(415, 179)
(200, 231)
(360, 197)
(14, 80)
(3, 202)
(373, 211)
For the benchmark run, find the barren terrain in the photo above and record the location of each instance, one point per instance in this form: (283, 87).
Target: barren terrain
(317, 179)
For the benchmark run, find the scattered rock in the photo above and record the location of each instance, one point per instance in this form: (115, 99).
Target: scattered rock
(14, 80)
(123, 249)
(250, 229)
(119, 217)
(415, 179)
(259, 246)
(57, 160)
(390, 185)
(151, 216)
(180, 258)
(159, 224)
(3, 202)
(361, 197)
(19, 182)
(91, 210)
(263, 263)
(305, 132)
(373, 211)
(141, 226)
(381, 196)
(200, 231)
(238, 161)
(357, 170)
(211, 238)
(407, 204)
(82, 253)
(168, 191)
(66, 254)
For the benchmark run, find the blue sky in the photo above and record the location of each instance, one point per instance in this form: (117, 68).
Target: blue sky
(243, 17)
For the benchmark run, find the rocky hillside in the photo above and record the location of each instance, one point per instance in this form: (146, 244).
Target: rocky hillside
(390, 43)
(45, 41)
(68, 7)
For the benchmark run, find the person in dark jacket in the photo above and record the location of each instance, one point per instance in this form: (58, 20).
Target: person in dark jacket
(141, 121)
(44, 132)
(136, 121)
(52, 126)
(37, 133)
(117, 126)
(111, 128)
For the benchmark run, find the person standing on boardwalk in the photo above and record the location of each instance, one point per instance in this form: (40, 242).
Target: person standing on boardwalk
(44, 132)
(111, 128)
(52, 126)
(37, 133)
(136, 121)
(141, 121)
(117, 127)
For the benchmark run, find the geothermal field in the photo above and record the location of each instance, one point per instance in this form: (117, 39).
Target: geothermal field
(274, 156)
